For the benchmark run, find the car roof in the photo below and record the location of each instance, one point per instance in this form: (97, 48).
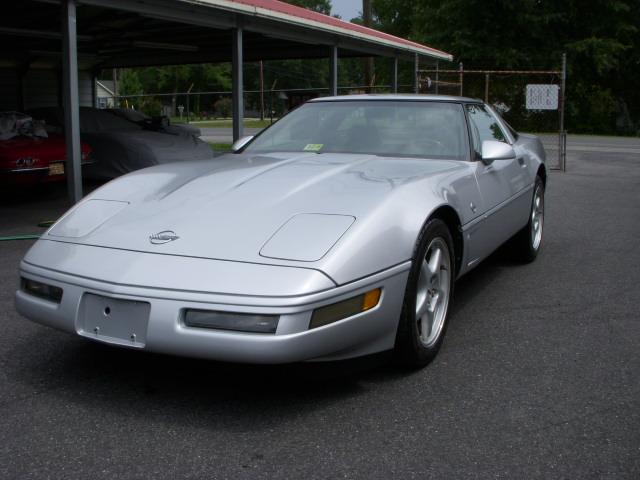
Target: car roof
(397, 96)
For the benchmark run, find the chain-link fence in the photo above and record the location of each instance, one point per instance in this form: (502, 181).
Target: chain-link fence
(519, 95)
(505, 90)
(203, 106)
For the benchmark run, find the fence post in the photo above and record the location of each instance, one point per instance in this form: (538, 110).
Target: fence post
(394, 75)
(563, 134)
(416, 68)
(261, 91)
(486, 88)
(461, 75)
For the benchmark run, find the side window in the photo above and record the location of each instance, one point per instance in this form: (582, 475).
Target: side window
(483, 127)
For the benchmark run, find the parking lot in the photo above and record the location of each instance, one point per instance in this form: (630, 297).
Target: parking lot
(538, 376)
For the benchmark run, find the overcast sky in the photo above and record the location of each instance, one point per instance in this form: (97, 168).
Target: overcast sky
(347, 9)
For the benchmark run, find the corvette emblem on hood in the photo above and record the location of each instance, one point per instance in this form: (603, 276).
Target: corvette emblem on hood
(163, 237)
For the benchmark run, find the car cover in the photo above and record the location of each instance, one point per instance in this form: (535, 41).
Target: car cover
(13, 124)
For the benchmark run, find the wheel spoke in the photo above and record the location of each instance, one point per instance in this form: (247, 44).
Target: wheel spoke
(537, 218)
(432, 292)
(422, 290)
(434, 261)
(422, 308)
(426, 323)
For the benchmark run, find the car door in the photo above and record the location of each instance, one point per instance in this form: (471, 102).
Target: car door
(500, 183)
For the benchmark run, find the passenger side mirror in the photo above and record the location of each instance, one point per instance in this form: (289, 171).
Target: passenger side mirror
(241, 143)
(494, 150)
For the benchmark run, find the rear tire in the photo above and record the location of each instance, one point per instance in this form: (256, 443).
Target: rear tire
(528, 241)
(429, 291)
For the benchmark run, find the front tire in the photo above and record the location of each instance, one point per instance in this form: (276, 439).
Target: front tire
(427, 297)
(528, 241)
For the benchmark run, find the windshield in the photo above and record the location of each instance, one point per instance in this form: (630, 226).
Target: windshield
(387, 128)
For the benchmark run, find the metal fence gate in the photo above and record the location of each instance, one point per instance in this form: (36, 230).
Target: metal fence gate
(530, 100)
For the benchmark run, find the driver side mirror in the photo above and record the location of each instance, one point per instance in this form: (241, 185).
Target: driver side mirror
(241, 143)
(494, 150)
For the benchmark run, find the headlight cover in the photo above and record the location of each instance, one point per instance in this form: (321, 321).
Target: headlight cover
(86, 217)
(307, 237)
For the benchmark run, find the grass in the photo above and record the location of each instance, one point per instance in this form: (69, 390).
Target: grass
(220, 147)
(225, 123)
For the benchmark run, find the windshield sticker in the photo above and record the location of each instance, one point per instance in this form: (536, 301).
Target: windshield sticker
(313, 147)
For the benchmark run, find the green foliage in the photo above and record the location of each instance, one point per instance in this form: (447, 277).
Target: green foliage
(321, 6)
(129, 82)
(600, 37)
(223, 107)
(150, 106)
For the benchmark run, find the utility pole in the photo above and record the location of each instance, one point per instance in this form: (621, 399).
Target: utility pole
(367, 20)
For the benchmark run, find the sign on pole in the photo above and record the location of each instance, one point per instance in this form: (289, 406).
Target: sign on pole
(542, 97)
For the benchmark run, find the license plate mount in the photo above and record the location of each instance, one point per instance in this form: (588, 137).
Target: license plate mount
(114, 320)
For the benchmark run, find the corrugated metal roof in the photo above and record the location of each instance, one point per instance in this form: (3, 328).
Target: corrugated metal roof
(282, 11)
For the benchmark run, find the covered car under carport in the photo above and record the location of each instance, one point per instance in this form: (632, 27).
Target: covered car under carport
(100, 34)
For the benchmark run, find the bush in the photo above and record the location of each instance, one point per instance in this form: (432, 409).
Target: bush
(223, 107)
(150, 106)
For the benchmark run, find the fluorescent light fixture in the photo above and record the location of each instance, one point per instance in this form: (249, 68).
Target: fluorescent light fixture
(165, 46)
(23, 32)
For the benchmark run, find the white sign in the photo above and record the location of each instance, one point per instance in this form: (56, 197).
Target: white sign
(542, 97)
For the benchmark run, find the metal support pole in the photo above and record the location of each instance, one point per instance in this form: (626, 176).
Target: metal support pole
(71, 103)
(416, 67)
(237, 85)
(94, 89)
(461, 77)
(563, 134)
(394, 75)
(486, 88)
(437, 75)
(333, 71)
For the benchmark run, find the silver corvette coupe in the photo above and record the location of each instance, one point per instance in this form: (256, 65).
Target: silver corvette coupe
(337, 232)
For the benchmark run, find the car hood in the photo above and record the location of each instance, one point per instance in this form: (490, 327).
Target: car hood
(231, 207)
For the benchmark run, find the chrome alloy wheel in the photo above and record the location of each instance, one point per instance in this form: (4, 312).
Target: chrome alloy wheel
(433, 292)
(537, 218)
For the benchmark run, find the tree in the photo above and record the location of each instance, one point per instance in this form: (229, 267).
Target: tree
(320, 6)
(600, 37)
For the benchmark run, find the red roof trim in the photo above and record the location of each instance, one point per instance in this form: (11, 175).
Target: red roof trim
(302, 13)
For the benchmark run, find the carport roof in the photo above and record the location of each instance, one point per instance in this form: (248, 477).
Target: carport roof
(126, 33)
(285, 12)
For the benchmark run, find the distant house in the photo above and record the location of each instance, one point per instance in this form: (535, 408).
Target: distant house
(104, 94)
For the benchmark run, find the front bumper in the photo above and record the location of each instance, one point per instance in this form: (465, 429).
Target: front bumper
(165, 332)
(33, 175)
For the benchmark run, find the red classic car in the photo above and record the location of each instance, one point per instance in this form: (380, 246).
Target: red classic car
(31, 160)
